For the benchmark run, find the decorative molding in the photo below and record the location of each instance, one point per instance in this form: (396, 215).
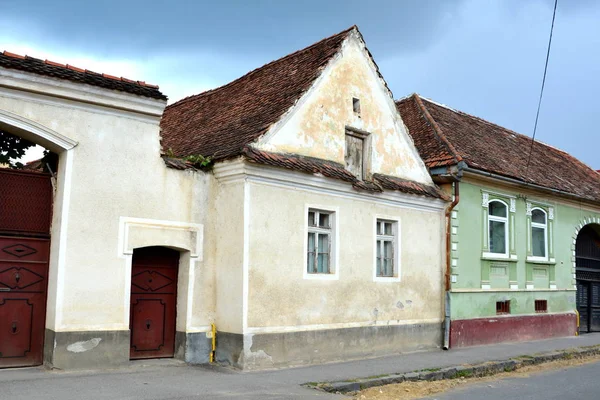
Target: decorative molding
(238, 171)
(45, 134)
(551, 213)
(528, 209)
(46, 89)
(513, 205)
(485, 199)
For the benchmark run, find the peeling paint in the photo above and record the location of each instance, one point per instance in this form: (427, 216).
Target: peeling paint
(86, 345)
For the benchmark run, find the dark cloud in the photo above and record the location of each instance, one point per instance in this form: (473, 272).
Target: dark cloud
(258, 26)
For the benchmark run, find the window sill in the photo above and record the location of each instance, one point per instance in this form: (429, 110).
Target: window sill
(499, 257)
(386, 279)
(321, 277)
(541, 261)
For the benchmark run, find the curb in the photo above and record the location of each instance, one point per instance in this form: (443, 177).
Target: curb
(460, 371)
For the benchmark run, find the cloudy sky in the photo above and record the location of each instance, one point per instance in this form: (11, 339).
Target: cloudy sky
(484, 57)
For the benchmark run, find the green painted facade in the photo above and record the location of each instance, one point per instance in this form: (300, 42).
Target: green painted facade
(479, 278)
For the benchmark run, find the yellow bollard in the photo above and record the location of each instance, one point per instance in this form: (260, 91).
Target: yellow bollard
(213, 329)
(577, 331)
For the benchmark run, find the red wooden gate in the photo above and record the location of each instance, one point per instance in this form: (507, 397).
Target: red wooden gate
(25, 215)
(153, 302)
(23, 281)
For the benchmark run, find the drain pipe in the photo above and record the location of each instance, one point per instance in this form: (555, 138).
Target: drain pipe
(449, 263)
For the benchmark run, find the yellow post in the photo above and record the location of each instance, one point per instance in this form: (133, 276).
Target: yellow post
(577, 331)
(213, 329)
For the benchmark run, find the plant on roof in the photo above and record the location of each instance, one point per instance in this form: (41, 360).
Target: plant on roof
(199, 161)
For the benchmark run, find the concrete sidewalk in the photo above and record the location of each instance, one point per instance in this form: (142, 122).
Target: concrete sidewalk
(169, 379)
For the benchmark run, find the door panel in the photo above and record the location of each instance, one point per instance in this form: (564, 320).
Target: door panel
(23, 282)
(153, 302)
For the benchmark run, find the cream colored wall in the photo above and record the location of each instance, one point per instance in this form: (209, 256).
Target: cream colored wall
(316, 127)
(281, 299)
(116, 172)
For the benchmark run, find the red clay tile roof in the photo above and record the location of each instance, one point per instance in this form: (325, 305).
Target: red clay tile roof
(444, 137)
(221, 122)
(335, 170)
(79, 75)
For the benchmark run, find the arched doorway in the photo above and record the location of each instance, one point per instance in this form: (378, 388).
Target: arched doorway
(153, 302)
(587, 256)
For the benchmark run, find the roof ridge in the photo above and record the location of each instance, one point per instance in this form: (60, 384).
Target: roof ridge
(76, 69)
(502, 127)
(437, 129)
(251, 72)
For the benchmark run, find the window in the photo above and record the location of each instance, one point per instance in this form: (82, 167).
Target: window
(385, 251)
(354, 155)
(319, 244)
(357, 153)
(356, 106)
(498, 227)
(541, 306)
(539, 237)
(503, 307)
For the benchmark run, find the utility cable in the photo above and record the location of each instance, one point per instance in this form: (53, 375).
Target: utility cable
(537, 115)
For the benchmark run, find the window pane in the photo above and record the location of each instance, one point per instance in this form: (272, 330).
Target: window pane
(311, 218)
(310, 258)
(323, 243)
(497, 209)
(538, 216)
(379, 255)
(379, 229)
(388, 228)
(379, 266)
(497, 237)
(538, 242)
(323, 220)
(388, 267)
(388, 249)
(323, 263)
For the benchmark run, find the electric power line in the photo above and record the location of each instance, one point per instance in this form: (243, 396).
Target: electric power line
(537, 115)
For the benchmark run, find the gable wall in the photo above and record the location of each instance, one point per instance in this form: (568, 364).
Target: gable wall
(316, 125)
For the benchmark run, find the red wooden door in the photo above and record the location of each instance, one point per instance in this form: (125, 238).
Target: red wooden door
(153, 302)
(23, 285)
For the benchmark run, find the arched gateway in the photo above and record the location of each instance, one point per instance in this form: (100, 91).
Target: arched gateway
(587, 258)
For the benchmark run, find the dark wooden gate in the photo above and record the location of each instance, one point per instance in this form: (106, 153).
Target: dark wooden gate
(153, 302)
(587, 252)
(25, 216)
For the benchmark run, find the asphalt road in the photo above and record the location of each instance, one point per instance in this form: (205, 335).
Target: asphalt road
(580, 382)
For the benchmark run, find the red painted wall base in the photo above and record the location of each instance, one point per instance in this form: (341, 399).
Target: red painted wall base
(474, 332)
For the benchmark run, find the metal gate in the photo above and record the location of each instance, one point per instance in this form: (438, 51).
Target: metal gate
(587, 255)
(153, 302)
(25, 214)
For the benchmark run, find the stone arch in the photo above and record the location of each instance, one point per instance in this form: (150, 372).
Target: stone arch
(35, 132)
(587, 273)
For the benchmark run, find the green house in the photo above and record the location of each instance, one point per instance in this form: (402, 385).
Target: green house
(523, 231)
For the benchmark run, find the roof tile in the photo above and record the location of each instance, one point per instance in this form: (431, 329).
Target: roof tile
(68, 72)
(222, 121)
(492, 148)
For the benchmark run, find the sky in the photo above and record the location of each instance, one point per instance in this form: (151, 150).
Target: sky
(483, 57)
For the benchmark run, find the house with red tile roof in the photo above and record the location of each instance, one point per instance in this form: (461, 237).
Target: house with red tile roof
(285, 218)
(523, 234)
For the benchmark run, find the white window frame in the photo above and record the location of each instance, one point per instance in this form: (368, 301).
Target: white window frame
(505, 220)
(334, 270)
(397, 249)
(530, 233)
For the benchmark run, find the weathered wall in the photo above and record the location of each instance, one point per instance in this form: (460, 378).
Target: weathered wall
(114, 194)
(471, 271)
(280, 299)
(316, 127)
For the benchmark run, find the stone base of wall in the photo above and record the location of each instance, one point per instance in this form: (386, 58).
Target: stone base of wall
(481, 331)
(86, 350)
(276, 350)
(193, 348)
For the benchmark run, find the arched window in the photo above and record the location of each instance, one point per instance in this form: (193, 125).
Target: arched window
(498, 227)
(539, 233)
